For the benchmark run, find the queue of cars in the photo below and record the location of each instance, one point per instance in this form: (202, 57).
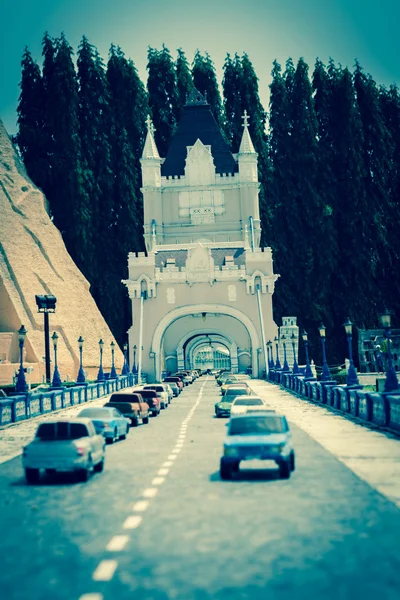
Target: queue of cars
(78, 445)
(254, 431)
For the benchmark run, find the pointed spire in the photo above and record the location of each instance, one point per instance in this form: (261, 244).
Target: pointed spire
(195, 98)
(246, 145)
(150, 148)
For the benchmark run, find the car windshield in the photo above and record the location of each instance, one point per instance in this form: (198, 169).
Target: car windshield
(62, 431)
(229, 399)
(256, 425)
(95, 413)
(249, 402)
(237, 392)
(123, 398)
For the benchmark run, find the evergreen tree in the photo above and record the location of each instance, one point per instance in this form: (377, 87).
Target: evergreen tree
(163, 96)
(205, 81)
(184, 80)
(232, 85)
(31, 121)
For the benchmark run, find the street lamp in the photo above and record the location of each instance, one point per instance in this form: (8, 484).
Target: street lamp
(56, 383)
(286, 367)
(308, 372)
(352, 378)
(134, 368)
(277, 363)
(326, 375)
(391, 383)
(269, 349)
(81, 375)
(46, 304)
(113, 373)
(296, 369)
(125, 368)
(21, 385)
(100, 374)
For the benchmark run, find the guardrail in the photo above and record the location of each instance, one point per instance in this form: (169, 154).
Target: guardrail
(20, 407)
(380, 409)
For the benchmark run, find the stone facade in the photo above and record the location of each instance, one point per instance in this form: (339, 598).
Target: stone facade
(34, 260)
(203, 277)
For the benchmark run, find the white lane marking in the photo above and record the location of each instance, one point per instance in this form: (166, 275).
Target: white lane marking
(163, 472)
(105, 570)
(171, 457)
(181, 437)
(93, 596)
(132, 522)
(117, 543)
(167, 463)
(179, 445)
(150, 492)
(158, 480)
(140, 506)
(176, 450)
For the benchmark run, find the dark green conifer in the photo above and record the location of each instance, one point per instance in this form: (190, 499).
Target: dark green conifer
(205, 81)
(184, 79)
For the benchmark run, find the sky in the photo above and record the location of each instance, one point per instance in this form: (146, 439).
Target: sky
(265, 29)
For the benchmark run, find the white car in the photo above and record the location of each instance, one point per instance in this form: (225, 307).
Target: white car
(67, 446)
(242, 404)
(169, 390)
(162, 392)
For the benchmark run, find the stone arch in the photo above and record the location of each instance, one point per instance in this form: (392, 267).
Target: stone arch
(180, 353)
(204, 343)
(205, 339)
(184, 311)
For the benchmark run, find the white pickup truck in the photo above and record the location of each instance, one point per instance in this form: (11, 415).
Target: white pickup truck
(68, 446)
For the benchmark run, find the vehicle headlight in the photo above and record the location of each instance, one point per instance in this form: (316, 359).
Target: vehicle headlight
(230, 451)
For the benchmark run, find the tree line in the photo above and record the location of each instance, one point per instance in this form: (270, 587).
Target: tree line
(329, 167)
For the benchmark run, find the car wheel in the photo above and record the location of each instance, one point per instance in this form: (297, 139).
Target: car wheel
(225, 470)
(100, 466)
(292, 462)
(84, 474)
(145, 420)
(135, 422)
(123, 435)
(284, 470)
(32, 475)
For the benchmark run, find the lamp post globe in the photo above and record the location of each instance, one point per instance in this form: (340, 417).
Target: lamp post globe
(352, 378)
(100, 374)
(81, 375)
(308, 372)
(296, 369)
(391, 382)
(56, 383)
(286, 368)
(113, 372)
(326, 375)
(277, 363)
(21, 386)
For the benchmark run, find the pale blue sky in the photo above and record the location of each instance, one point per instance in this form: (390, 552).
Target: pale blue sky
(265, 29)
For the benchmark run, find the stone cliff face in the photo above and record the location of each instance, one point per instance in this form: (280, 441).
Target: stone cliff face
(34, 260)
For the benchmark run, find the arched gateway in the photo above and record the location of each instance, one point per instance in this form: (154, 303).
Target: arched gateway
(204, 272)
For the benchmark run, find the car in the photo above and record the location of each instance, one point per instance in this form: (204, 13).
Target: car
(227, 385)
(177, 380)
(170, 391)
(132, 405)
(108, 421)
(64, 446)
(151, 398)
(184, 375)
(223, 376)
(161, 392)
(261, 435)
(174, 387)
(241, 404)
(237, 390)
(223, 407)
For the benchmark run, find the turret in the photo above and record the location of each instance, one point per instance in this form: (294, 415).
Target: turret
(247, 156)
(150, 161)
(151, 189)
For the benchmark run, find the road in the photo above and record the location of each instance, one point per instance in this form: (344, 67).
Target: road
(159, 524)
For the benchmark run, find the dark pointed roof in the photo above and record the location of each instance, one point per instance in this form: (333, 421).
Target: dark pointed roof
(197, 122)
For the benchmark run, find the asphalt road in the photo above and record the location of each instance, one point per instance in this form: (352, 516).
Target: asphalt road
(159, 524)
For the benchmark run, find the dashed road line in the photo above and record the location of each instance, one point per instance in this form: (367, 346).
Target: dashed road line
(158, 480)
(150, 492)
(105, 570)
(132, 522)
(117, 543)
(91, 597)
(163, 472)
(140, 506)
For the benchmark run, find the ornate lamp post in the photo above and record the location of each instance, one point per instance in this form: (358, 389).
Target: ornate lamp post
(391, 383)
(125, 368)
(286, 368)
(308, 372)
(277, 363)
(81, 375)
(100, 374)
(113, 372)
(352, 378)
(21, 385)
(326, 375)
(269, 350)
(296, 369)
(134, 367)
(56, 383)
